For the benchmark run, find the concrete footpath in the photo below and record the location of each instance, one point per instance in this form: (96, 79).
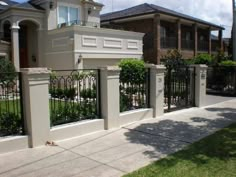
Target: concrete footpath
(117, 152)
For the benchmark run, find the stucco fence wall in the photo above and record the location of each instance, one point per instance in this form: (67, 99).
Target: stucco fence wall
(35, 88)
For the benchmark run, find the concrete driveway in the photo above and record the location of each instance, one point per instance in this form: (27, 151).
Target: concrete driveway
(117, 152)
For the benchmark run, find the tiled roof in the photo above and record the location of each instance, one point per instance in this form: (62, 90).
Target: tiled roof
(8, 4)
(28, 5)
(145, 8)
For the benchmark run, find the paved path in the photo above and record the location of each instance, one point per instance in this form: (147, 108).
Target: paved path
(116, 152)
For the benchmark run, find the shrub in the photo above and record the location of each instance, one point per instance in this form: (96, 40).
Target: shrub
(173, 59)
(88, 93)
(228, 63)
(63, 93)
(10, 124)
(7, 70)
(132, 71)
(203, 59)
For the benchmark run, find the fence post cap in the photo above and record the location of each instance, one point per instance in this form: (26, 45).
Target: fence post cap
(110, 68)
(200, 66)
(35, 70)
(159, 67)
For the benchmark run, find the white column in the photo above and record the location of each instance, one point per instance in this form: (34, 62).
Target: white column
(36, 105)
(200, 85)
(157, 75)
(40, 48)
(15, 47)
(110, 96)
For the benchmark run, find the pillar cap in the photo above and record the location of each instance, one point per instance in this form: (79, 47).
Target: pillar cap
(16, 27)
(200, 66)
(110, 68)
(35, 70)
(152, 66)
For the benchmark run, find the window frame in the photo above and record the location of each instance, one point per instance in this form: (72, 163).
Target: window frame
(78, 7)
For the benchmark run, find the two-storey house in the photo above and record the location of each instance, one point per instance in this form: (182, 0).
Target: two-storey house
(166, 29)
(62, 34)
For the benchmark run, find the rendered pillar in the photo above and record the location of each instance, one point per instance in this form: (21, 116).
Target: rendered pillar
(200, 85)
(110, 96)
(36, 105)
(157, 89)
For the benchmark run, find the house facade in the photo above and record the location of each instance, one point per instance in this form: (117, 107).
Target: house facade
(62, 34)
(166, 29)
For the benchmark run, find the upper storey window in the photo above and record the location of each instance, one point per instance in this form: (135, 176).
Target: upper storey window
(68, 15)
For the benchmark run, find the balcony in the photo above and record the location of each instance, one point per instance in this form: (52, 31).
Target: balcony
(187, 44)
(168, 42)
(203, 46)
(80, 23)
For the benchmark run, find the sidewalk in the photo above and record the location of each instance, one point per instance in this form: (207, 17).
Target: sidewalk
(116, 152)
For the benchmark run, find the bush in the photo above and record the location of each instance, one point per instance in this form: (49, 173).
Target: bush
(132, 71)
(228, 63)
(10, 124)
(203, 59)
(63, 93)
(88, 93)
(7, 70)
(173, 59)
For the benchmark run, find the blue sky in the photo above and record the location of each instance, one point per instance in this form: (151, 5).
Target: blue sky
(218, 12)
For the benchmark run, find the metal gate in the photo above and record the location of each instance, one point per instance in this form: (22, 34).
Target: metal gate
(179, 88)
(221, 80)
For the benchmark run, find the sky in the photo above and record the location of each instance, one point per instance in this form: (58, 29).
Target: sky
(218, 12)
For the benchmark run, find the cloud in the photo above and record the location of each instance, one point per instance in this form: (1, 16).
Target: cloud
(218, 12)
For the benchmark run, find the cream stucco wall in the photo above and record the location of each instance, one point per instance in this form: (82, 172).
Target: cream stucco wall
(95, 47)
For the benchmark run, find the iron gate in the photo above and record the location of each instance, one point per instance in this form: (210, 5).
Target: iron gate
(179, 87)
(221, 80)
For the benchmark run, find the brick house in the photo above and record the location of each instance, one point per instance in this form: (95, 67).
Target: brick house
(166, 29)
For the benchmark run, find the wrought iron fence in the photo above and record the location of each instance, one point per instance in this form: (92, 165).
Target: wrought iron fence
(135, 95)
(74, 96)
(221, 80)
(11, 107)
(179, 87)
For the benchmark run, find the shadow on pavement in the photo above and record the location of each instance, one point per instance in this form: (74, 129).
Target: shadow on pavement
(168, 136)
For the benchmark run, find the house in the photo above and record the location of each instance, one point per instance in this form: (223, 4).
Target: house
(62, 34)
(166, 29)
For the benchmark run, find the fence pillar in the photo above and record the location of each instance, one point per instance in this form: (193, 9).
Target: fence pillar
(157, 77)
(110, 96)
(36, 105)
(200, 85)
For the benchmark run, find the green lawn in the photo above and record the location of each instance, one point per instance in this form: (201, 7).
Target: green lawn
(214, 156)
(10, 106)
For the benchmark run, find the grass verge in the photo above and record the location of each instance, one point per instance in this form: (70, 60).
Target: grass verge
(213, 156)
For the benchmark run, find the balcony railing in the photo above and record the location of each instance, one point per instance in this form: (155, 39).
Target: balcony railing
(78, 22)
(169, 43)
(187, 44)
(203, 46)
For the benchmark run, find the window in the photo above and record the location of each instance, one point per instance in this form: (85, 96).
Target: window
(68, 15)
(188, 36)
(163, 32)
